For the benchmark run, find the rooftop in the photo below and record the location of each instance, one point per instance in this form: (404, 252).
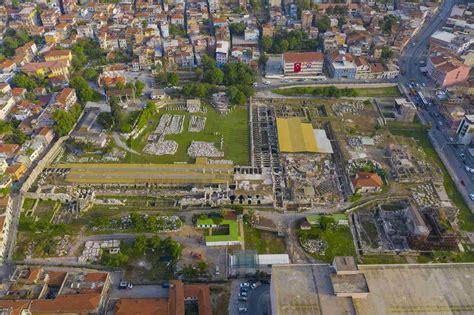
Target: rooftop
(296, 136)
(292, 57)
(401, 289)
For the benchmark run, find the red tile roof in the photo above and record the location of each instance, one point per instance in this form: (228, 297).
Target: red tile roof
(292, 57)
(365, 179)
(142, 307)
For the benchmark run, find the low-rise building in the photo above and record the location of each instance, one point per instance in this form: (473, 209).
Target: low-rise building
(304, 64)
(341, 65)
(447, 71)
(53, 55)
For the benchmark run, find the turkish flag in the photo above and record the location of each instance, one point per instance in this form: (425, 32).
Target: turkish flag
(297, 67)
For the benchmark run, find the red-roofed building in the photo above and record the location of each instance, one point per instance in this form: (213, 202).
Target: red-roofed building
(367, 182)
(447, 71)
(179, 293)
(304, 64)
(67, 97)
(8, 65)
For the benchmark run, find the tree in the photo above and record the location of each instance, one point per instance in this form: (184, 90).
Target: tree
(386, 54)
(24, 81)
(151, 223)
(140, 243)
(208, 62)
(64, 121)
(237, 28)
(266, 43)
(90, 74)
(155, 242)
(139, 86)
(388, 23)
(114, 260)
(326, 222)
(84, 92)
(172, 79)
(263, 59)
(214, 76)
(236, 97)
(17, 137)
(105, 120)
(323, 24)
(341, 21)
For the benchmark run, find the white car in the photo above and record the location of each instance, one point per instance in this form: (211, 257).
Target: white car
(245, 285)
(471, 196)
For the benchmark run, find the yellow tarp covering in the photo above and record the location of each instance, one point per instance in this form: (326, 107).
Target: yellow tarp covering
(295, 136)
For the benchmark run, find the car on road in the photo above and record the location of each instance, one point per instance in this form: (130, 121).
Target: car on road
(245, 285)
(471, 196)
(243, 299)
(243, 294)
(242, 310)
(463, 183)
(462, 156)
(123, 285)
(244, 289)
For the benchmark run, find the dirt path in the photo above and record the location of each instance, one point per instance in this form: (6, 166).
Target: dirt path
(121, 144)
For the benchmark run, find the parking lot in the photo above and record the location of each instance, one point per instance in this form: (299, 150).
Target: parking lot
(258, 300)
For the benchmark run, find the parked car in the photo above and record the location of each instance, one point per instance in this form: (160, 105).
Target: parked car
(463, 183)
(471, 196)
(243, 299)
(165, 285)
(243, 294)
(244, 289)
(123, 285)
(245, 285)
(242, 310)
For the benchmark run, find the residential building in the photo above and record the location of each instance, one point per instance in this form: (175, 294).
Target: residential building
(341, 65)
(54, 55)
(304, 64)
(72, 292)
(5, 221)
(456, 42)
(8, 65)
(179, 294)
(222, 52)
(363, 68)
(447, 71)
(6, 104)
(47, 68)
(306, 19)
(465, 131)
(67, 97)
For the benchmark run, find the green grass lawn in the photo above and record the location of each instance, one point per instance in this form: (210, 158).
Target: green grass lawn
(378, 92)
(338, 239)
(28, 203)
(45, 209)
(233, 126)
(416, 131)
(263, 242)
